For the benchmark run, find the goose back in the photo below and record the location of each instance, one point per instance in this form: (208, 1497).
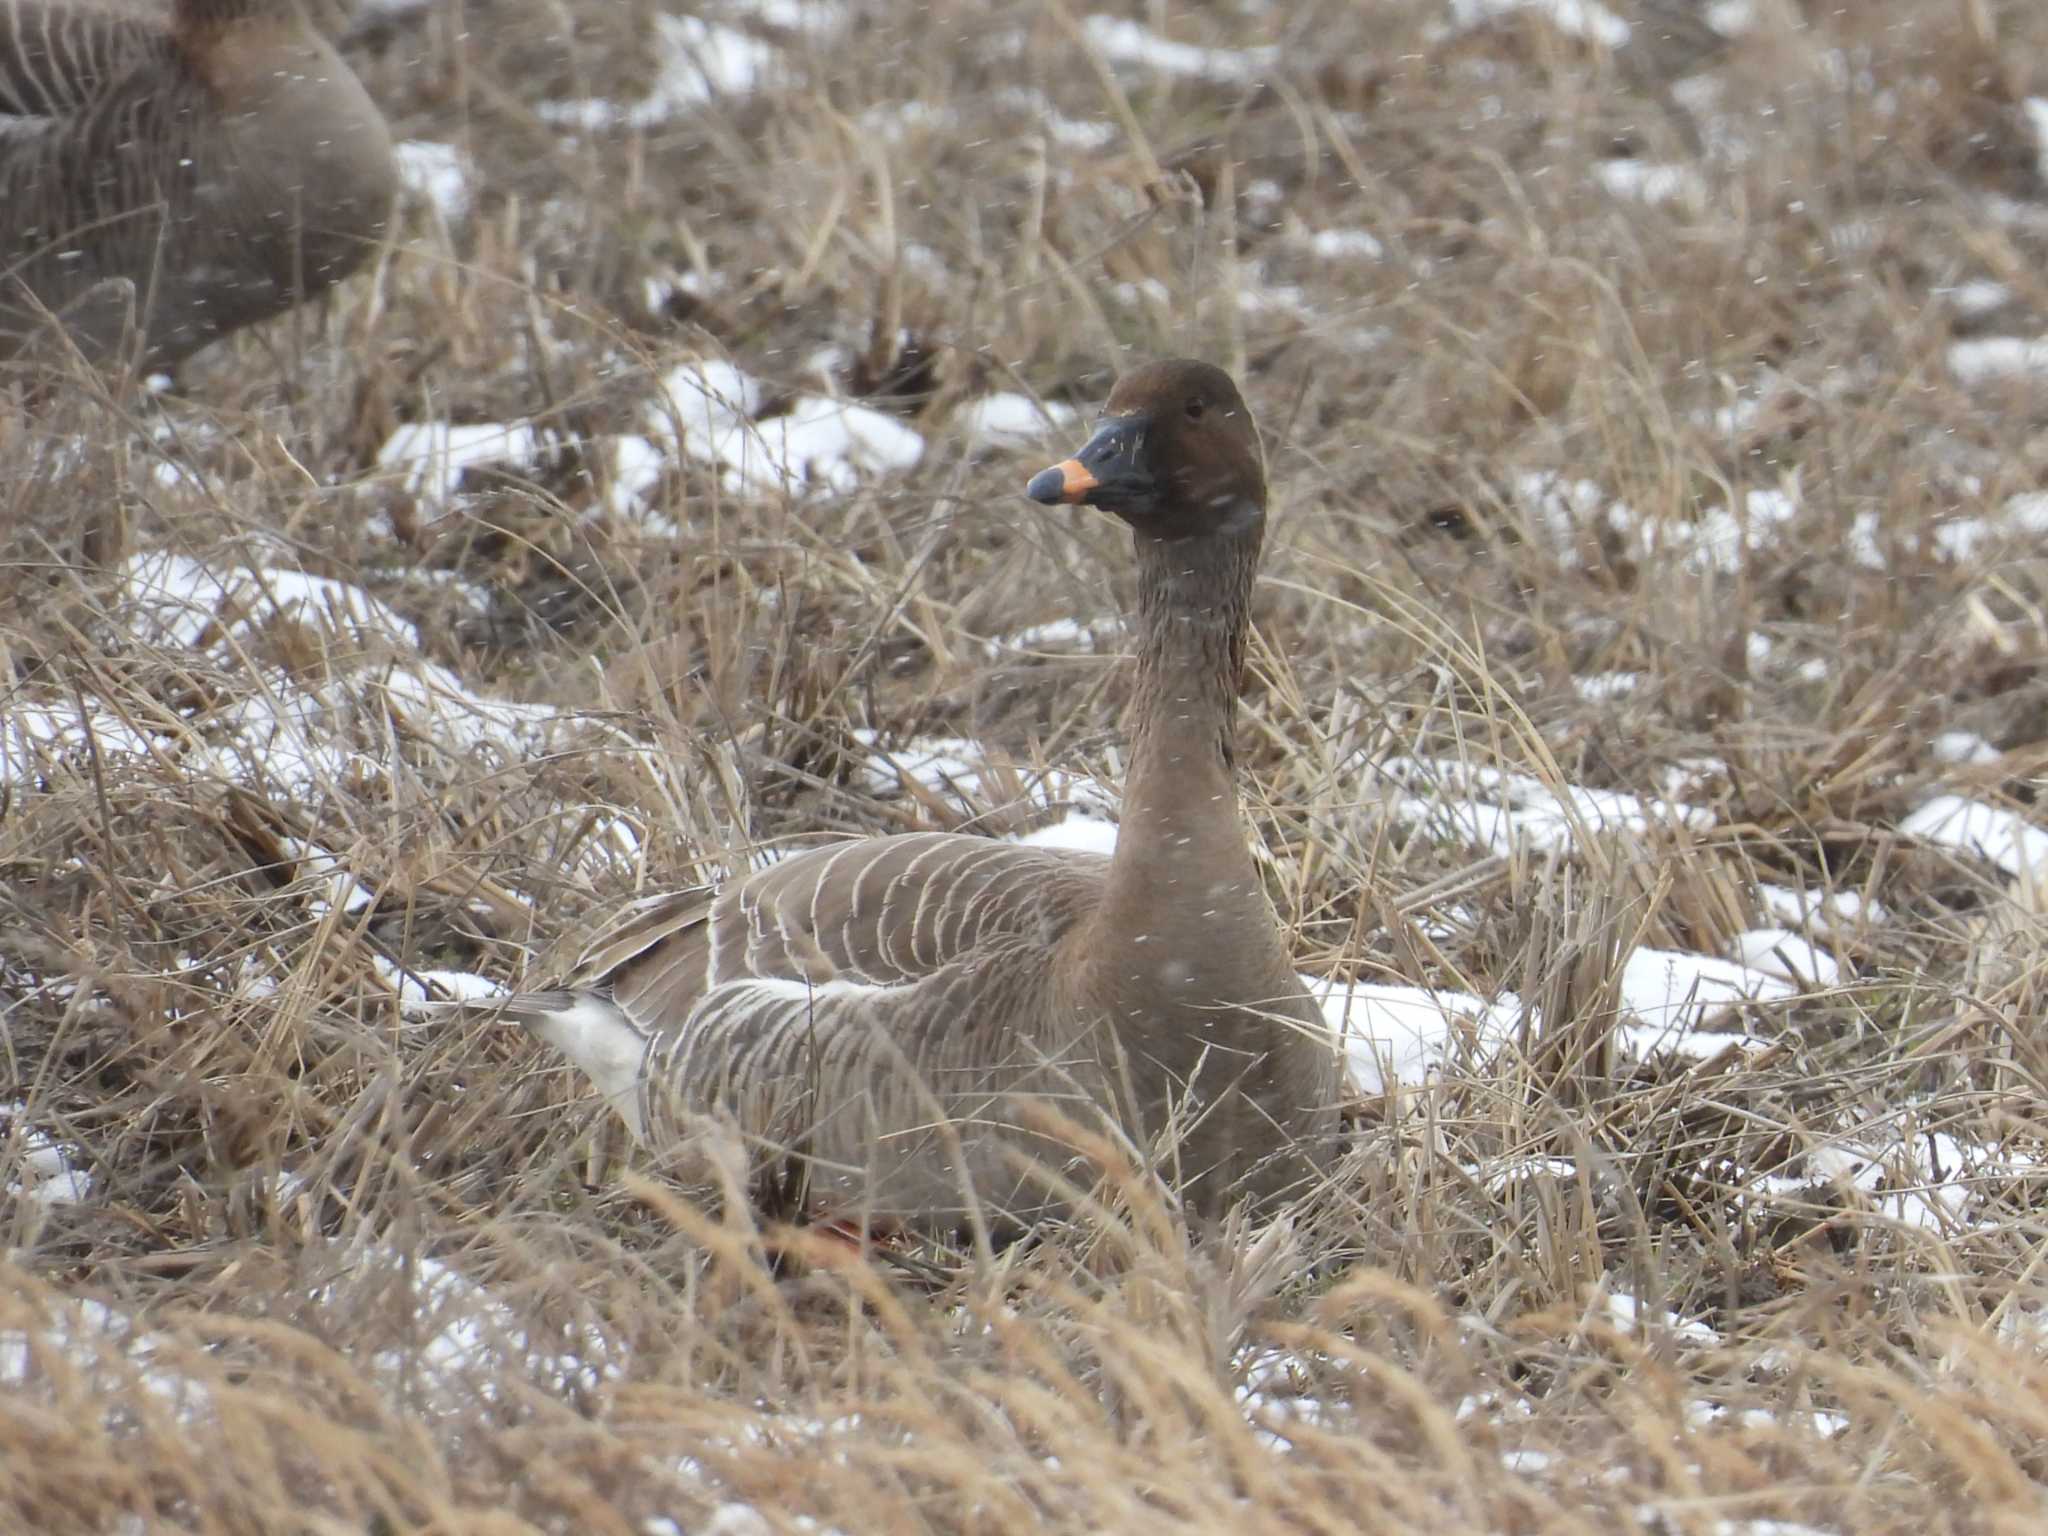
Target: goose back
(189, 173)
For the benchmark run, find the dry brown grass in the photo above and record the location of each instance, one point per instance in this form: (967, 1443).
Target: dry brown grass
(294, 1193)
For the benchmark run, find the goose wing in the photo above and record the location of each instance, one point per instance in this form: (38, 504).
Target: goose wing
(866, 1010)
(56, 58)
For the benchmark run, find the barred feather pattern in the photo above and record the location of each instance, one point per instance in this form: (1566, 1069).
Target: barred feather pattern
(189, 173)
(877, 1009)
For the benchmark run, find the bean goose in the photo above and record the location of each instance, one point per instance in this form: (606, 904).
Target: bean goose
(201, 170)
(878, 1008)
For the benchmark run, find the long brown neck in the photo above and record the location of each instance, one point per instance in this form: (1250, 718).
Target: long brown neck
(1181, 871)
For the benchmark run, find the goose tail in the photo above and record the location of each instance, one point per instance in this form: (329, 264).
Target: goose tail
(586, 1026)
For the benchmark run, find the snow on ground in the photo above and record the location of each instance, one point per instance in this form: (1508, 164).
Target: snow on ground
(1123, 41)
(1574, 18)
(1498, 811)
(299, 730)
(695, 61)
(87, 1342)
(439, 175)
(1084, 635)
(1656, 182)
(41, 1167)
(1927, 1180)
(710, 411)
(1401, 1036)
(1786, 955)
(1984, 359)
(1394, 1036)
(965, 773)
(466, 1336)
(435, 454)
(1013, 420)
(2005, 838)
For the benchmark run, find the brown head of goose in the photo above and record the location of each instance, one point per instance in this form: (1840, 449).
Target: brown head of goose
(876, 1010)
(199, 172)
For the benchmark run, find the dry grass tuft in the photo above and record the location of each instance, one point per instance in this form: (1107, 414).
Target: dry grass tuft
(282, 730)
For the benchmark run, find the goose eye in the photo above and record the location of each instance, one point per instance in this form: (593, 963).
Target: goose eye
(1195, 409)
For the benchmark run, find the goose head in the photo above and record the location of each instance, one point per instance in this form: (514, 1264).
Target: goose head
(1174, 454)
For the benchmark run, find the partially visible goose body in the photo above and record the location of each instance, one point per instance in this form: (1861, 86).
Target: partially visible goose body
(220, 158)
(876, 1011)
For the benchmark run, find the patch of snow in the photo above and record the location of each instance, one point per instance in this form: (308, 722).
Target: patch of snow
(439, 175)
(709, 409)
(1500, 1175)
(1982, 358)
(1396, 1036)
(1013, 419)
(1630, 1316)
(1498, 811)
(178, 601)
(1055, 635)
(435, 454)
(1345, 245)
(1654, 182)
(1730, 18)
(1068, 132)
(1123, 41)
(1574, 18)
(1602, 687)
(1962, 747)
(1819, 909)
(962, 772)
(1561, 508)
(36, 735)
(1784, 954)
(1078, 830)
(421, 986)
(1991, 832)
(467, 1336)
(1675, 993)
(1925, 1180)
(635, 466)
(695, 61)
(2037, 118)
(316, 863)
(105, 1348)
(1716, 539)
(43, 1168)
(1979, 296)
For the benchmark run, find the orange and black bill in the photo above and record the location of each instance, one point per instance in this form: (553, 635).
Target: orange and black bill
(1107, 471)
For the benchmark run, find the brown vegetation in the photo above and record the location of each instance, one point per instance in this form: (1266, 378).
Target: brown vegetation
(338, 1272)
